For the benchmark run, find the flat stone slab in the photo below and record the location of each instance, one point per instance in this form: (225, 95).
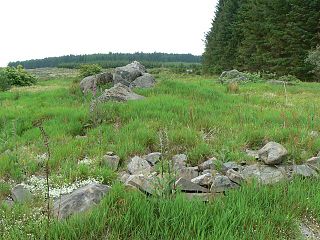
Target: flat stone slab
(188, 186)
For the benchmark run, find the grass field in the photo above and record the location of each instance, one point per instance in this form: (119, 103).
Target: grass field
(199, 117)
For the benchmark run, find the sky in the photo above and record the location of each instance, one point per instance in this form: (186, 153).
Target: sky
(32, 29)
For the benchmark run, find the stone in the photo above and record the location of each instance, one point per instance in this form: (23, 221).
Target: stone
(21, 194)
(138, 165)
(123, 176)
(235, 176)
(263, 174)
(222, 184)
(153, 158)
(142, 183)
(187, 172)
(304, 171)
(209, 164)
(272, 153)
(203, 180)
(314, 134)
(144, 81)
(233, 76)
(230, 165)
(252, 153)
(80, 200)
(91, 83)
(127, 74)
(179, 161)
(111, 161)
(188, 186)
(315, 162)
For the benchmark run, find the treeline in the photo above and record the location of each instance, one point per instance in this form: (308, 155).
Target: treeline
(110, 60)
(257, 35)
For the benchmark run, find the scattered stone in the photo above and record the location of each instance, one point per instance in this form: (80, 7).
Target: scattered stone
(252, 153)
(179, 161)
(138, 165)
(263, 174)
(92, 82)
(123, 176)
(233, 76)
(140, 182)
(111, 161)
(145, 81)
(222, 184)
(79, 200)
(235, 176)
(127, 74)
(188, 186)
(272, 153)
(153, 158)
(304, 171)
(209, 164)
(230, 165)
(21, 194)
(203, 180)
(187, 173)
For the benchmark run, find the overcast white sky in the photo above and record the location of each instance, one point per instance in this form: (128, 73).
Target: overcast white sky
(43, 28)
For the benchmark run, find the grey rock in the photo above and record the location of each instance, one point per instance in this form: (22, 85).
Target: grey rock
(252, 153)
(137, 165)
(21, 194)
(179, 161)
(315, 162)
(123, 176)
(230, 165)
(263, 174)
(304, 171)
(79, 200)
(235, 176)
(111, 161)
(187, 172)
(92, 82)
(203, 180)
(141, 182)
(127, 74)
(153, 158)
(209, 164)
(144, 81)
(188, 186)
(221, 184)
(233, 76)
(272, 153)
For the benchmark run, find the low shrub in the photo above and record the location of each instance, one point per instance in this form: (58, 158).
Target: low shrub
(89, 70)
(11, 76)
(4, 81)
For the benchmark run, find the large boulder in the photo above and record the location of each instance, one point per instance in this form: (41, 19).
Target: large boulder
(79, 200)
(304, 171)
(92, 82)
(233, 76)
(127, 74)
(118, 93)
(145, 81)
(272, 153)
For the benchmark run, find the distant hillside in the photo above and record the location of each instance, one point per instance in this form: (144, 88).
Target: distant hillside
(111, 60)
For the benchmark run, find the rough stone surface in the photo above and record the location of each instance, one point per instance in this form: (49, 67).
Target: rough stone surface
(21, 194)
(263, 174)
(209, 164)
(315, 162)
(272, 153)
(144, 81)
(235, 176)
(179, 161)
(203, 180)
(221, 184)
(188, 186)
(187, 173)
(123, 176)
(111, 161)
(304, 171)
(138, 165)
(153, 158)
(127, 74)
(79, 200)
(233, 76)
(92, 82)
(141, 182)
(230, 165)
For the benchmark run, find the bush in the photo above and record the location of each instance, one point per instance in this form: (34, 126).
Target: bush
(4, 81)
(314, 59)
(19, 76)
(90, 69)
(289, 78)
